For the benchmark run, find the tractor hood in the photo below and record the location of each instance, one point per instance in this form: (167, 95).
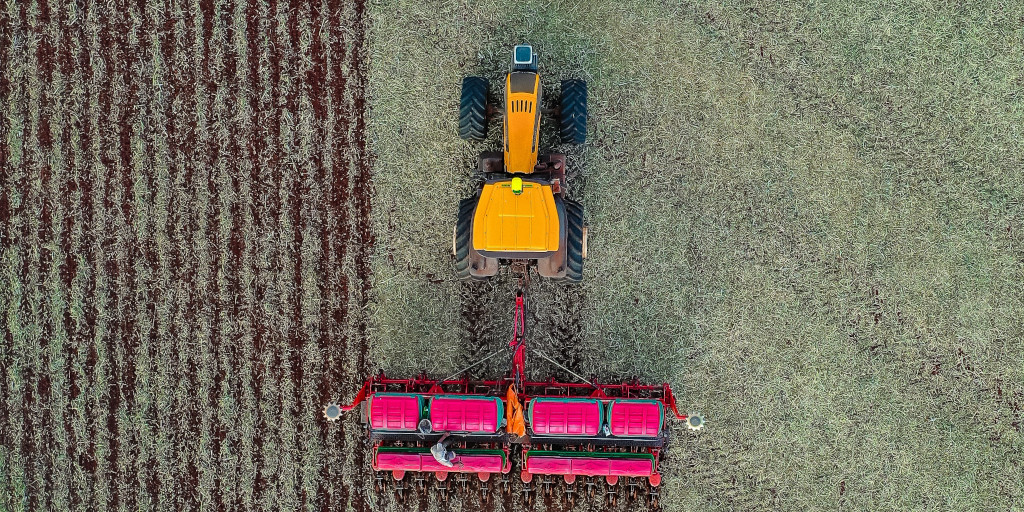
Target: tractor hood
(522, 122)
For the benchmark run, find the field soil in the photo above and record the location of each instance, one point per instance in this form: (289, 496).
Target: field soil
(808, 218)
(216, 216)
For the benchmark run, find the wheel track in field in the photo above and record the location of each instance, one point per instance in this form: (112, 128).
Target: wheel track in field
(473, 315)
(567, 332)
(481, 335)
(562, 340)
(566, 329)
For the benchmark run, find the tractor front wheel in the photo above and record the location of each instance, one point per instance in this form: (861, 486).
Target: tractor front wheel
(572, 115)
(473, 109)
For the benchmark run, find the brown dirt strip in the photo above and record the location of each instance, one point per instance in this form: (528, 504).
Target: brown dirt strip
(28, 216)
(278, 144)
(305, 214)
(86, 332)
(350, 237)
(128, 298)
(334, 287)
(118, 265)
(223, 60)
(252, 29)
(184, 142)
(235, 247)
(155, 487)
(27, 446)
(362, 192)
(258, 185)
(298, 190)
(253, 152)
(204, 150)
(30, 274)
(271, 209)
(70, 244)
(47, 232)
(348, 201)
(289, 195)
(362, 189)
(7, 33)
(145, 465)
(212, 295)
(216, 429)
(65, 58)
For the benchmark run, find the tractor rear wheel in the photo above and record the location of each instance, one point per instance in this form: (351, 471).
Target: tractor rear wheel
(460, 244)
(473, 109)
(573, 112)
(575, 241)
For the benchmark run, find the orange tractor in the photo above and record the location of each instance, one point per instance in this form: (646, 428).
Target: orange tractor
(520, 212)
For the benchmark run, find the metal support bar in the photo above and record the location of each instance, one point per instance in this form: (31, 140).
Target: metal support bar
(359, 397)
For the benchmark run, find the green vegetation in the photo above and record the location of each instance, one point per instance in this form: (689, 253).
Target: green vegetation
(217, 216)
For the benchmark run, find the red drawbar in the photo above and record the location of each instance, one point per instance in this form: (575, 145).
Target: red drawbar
(394, 412)
(425, 462)
(465, 414)
(556, 416)
(635, 419)
(584, 466)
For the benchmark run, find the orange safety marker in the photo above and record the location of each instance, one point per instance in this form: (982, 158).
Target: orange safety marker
(514, 413)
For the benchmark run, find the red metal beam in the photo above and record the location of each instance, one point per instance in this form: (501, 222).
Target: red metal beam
(433, 387)
(423, 385)
(359, 396)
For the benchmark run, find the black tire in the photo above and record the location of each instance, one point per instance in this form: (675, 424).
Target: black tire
(574, 241)
(473, 109)
(572, 115)
(463, 230)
